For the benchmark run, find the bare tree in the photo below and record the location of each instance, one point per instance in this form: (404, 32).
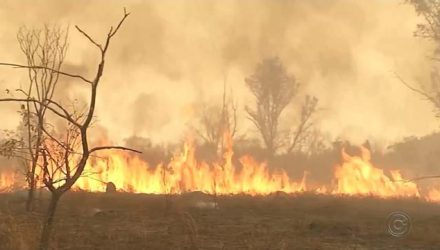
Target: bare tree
(302, 132)
(430, 93)
(429, 29)
(273, 89)
(64, 155)
(228, 124)
(44, 48)
(216, 122)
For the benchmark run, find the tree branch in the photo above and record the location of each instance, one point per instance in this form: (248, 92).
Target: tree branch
(113, 147)
(46, 68)
(415, 89)
(89, 38)
(64, 116)
(419, 178)
(119, 24)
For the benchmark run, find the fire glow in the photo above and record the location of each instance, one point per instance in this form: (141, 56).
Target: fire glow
(185, 174)
(356, 175)
(8, 180)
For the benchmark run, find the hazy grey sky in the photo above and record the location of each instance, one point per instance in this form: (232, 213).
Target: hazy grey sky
(171, 56)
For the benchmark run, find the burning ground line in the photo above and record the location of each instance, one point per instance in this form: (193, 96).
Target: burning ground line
(355, 176)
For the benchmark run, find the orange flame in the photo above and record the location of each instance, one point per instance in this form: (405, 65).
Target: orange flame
(184, 173)
(8, 180)
(433, 195)
(357, 176)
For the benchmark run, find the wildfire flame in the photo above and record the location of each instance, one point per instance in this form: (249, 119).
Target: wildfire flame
(8, 180)
(356, 175)
(433, 195)
(184, 173)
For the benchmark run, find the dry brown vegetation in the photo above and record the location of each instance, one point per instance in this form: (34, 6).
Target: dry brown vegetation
(280, 221)
(200, 221)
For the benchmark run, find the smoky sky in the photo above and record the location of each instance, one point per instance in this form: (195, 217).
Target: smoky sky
(171, 57)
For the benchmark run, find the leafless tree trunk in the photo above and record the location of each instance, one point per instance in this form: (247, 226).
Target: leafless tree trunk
(228, 124)
(43, 48)
(64, 154)
(48, 224)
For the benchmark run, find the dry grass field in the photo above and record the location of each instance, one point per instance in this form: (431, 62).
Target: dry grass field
(134, 221)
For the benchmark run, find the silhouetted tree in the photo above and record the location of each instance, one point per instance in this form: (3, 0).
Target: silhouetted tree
(430, 11)
(44, 48)
(429, 29)
(303, 133)
(217, 122)
(273, 88)
(64, 154)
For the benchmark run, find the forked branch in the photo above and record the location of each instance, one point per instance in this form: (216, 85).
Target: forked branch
(110, 34)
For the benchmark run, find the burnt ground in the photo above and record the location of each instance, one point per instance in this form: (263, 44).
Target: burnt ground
(135, 221)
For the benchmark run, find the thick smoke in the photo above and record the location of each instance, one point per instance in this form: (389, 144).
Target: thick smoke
(172, 55)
